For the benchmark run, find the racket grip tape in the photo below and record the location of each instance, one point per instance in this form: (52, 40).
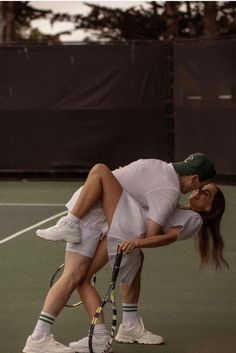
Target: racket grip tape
(116, 267)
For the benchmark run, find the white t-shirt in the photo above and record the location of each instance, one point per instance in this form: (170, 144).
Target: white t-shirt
(190, 221)
(129, 220)
(154, 184)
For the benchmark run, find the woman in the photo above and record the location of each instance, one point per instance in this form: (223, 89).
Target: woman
(209, 204)
(94, 223)
(201, 217)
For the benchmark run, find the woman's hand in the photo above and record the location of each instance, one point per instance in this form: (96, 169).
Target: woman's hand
(128, 245)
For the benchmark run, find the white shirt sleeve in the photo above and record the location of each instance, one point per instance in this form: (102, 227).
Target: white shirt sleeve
(161, 204)
(191, 227)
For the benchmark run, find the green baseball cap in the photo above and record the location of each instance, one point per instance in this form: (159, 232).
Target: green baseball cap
(196, 164)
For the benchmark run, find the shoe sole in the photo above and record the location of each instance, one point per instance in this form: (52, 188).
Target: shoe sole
(33, 351)
(88, 351)
(67, 240)
(137, 341)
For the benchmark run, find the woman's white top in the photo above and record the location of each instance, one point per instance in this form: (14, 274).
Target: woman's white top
(129, 220)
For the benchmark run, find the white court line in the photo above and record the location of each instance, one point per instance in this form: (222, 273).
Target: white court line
(31, 204)
(32, 227)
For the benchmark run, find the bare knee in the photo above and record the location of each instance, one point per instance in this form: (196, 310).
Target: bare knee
(74, 279)
(100, 169)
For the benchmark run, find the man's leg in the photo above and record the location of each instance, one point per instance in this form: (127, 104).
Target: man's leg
(91, 300)
(41, 340)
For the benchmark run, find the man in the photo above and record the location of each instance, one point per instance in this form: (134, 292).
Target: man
(156, 185)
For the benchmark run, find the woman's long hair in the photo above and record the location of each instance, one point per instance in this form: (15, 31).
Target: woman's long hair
(210, 241)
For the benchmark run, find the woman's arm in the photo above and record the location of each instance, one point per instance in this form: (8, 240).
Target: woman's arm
(152, 241)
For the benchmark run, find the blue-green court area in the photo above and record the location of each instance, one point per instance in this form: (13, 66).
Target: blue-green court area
(194, 310)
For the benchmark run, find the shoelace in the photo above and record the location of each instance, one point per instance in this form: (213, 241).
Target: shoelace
(146, 332)
(62, 222)
(142, 325)
(52, 339)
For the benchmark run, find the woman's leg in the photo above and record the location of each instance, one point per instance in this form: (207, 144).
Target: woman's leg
(130, 299)
(130, 293)
(132, 328)
(100, 185)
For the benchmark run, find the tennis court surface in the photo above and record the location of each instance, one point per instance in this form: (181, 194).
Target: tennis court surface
(195, 311)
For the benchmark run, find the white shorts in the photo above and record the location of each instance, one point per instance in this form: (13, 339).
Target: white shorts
(93, 226)
(89, 242)
(130, 263)
(128, 223)
(129, 220)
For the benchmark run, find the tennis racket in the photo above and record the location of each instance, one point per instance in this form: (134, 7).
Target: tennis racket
(73, 301)
(109, 297)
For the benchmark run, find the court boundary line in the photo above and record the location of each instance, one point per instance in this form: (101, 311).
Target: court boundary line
(31, 204)
(31, 227)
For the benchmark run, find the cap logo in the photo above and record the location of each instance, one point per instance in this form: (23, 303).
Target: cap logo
(190, 158)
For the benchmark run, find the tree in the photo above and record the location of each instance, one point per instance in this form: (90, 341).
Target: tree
(172, 18)
(15, 22)
(7, 17)
(227, 19)
(210, 19)
(109, 24)
(159, 21)
(166, 20)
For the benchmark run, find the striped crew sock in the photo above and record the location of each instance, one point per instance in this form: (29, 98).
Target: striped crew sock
(100, 330)
(43, 326)
(130, 315)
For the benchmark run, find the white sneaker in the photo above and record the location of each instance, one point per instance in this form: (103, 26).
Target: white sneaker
(137, 334)
(46, 345)
(64, 230)
(99, 344)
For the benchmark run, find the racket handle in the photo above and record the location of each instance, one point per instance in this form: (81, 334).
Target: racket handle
(116, 267)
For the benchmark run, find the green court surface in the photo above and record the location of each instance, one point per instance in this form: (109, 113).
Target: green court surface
(194, 310)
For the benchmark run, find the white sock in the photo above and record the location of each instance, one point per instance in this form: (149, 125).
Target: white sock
(130, 315)
(73, 218)
(43, 326)
(100, 330)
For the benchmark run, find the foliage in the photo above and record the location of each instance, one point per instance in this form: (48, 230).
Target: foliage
(16, 19)
(156, 21)
(161, 20)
